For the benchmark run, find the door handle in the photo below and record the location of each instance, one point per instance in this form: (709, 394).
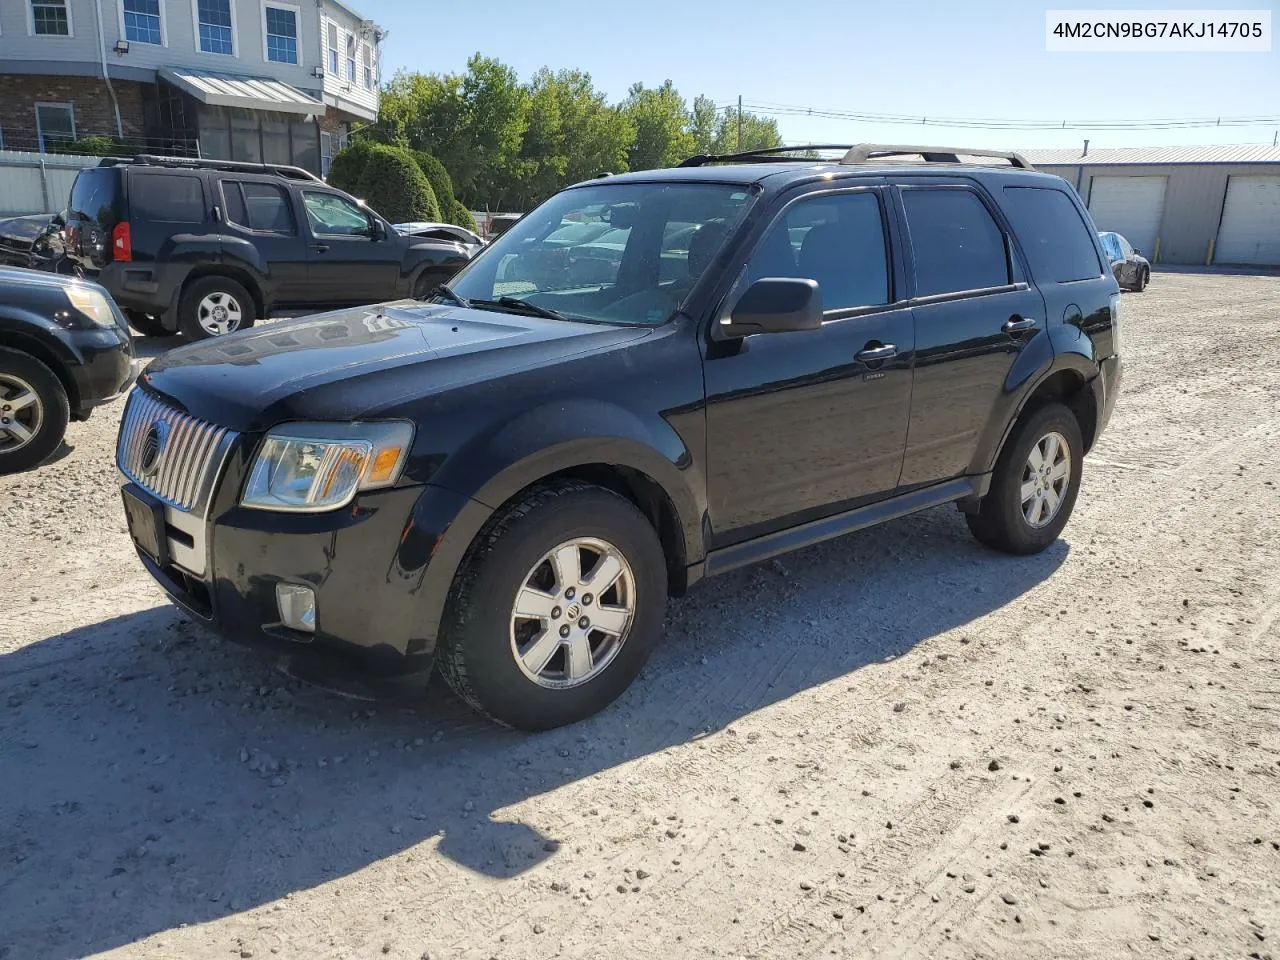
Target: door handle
(320, 247)
(1016, 323)
(872, 354)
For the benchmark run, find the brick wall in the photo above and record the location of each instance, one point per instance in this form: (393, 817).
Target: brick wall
(94, 114)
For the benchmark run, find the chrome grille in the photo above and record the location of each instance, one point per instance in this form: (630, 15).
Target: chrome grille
(171, 454)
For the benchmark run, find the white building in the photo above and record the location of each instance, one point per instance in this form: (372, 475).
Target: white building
(254, 80)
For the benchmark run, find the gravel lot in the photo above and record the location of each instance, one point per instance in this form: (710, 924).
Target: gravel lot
(895, 744)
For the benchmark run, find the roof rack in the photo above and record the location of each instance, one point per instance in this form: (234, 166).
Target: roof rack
(761, 156)
(236, 166)
(860, 153)
(863, 152)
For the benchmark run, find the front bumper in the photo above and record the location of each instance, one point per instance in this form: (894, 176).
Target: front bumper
(367, 564)
(107, 367)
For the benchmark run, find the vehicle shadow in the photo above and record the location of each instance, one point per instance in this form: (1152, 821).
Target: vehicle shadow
(179, 779)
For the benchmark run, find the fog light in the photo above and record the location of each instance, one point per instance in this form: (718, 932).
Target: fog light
(297, 606)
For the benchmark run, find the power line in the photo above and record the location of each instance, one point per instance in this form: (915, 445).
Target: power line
(976, 123)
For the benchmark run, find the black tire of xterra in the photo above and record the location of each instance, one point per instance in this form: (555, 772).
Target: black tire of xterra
(147, 324)
(56, 411)
(999, 522)
(197, 290)
(475, 655)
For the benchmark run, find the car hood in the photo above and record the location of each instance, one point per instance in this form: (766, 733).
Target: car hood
(363, 362)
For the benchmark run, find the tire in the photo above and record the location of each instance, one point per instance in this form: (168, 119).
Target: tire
(480, 633)
(147, 324)
(43, 416)
(1143, 279)
(198, 317)
(1002, 521)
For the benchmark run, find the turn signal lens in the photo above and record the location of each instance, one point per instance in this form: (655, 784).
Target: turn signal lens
(385, 465)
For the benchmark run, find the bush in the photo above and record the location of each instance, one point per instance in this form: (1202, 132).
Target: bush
(395, 186)
(348, 164)
(100, 146)
(460, 215)
(438, 177)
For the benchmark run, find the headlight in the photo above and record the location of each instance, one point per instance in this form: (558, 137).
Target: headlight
(1115, 323)
(92, 304)
(310, 467)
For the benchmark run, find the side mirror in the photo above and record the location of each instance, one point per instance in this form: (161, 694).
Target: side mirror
(775, 305)
(1137, 251)
(377, 229)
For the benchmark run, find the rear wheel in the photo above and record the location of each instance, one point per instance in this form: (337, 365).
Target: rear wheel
(147, 324)
(213, 307)
(33, 411)
(1034, 485)
(556, 609)
(1143, 277)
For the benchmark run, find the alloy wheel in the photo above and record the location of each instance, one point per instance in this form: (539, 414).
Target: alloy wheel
(21, 413)
(572, 613)
(219, 314)
(1045, 479)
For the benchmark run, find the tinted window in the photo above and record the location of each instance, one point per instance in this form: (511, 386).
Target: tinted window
(836, 240)
(1057, 241)
(166, 198)
(258, 206)
(957, 245)
(94, 195)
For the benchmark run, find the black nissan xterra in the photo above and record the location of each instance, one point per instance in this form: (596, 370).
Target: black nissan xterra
(206, 247)
(756, 353)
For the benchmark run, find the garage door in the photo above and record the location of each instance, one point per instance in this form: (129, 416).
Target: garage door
(1130, 206)
(1250, 231)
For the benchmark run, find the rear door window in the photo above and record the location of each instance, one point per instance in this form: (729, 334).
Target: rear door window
(259, 206)
(1057, 241)
(167, 198)
(957, 244)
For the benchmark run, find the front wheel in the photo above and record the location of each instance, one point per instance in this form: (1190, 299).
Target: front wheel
(33, 411)
(557, 607)
(1034, 485)
(1143, 278)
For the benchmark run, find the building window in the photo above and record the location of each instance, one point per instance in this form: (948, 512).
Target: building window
(282, 34)
(333, 48)
(55, 124)
(368, 67)
(216, 35)
(49, 18)
(351, 58)
(326, 152)
(142, 21)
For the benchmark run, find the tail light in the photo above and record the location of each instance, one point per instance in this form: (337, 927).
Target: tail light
(121, 242)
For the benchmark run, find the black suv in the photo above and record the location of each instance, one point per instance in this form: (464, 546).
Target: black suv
(510, 480)
(205, 247)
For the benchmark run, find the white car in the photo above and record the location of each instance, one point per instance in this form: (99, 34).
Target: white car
(447, 232)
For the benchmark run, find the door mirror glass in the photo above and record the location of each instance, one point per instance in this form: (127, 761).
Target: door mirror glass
(775, 305)
(377, 229)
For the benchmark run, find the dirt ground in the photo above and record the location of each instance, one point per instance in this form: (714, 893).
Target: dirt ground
(896, 744)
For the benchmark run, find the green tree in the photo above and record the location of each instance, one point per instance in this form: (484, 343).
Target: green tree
(758, 133)
(394, 185)
(704, 124)
(437, 176)
(660, 120)
(459, 214)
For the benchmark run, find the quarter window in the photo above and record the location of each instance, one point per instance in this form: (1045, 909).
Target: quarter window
(215, 26)
(282, 34)
(332, 215)
(49, 18)
(142, 21)
(837, 240)
(1058, 243)
(166, 198)
(957, 244)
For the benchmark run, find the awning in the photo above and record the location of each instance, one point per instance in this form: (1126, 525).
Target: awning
(252, 93)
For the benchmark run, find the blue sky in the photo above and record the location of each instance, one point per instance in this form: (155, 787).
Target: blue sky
(984, 59)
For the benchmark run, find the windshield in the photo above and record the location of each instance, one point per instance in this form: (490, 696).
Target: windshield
(626, 253)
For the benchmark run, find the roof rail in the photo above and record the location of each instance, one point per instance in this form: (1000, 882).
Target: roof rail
(761, 156)
(863, 152)
(236, 166)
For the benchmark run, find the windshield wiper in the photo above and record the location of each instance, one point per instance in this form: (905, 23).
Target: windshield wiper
(515, 303)
(445, 293)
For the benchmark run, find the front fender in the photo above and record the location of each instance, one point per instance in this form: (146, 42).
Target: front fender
(495, 465)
